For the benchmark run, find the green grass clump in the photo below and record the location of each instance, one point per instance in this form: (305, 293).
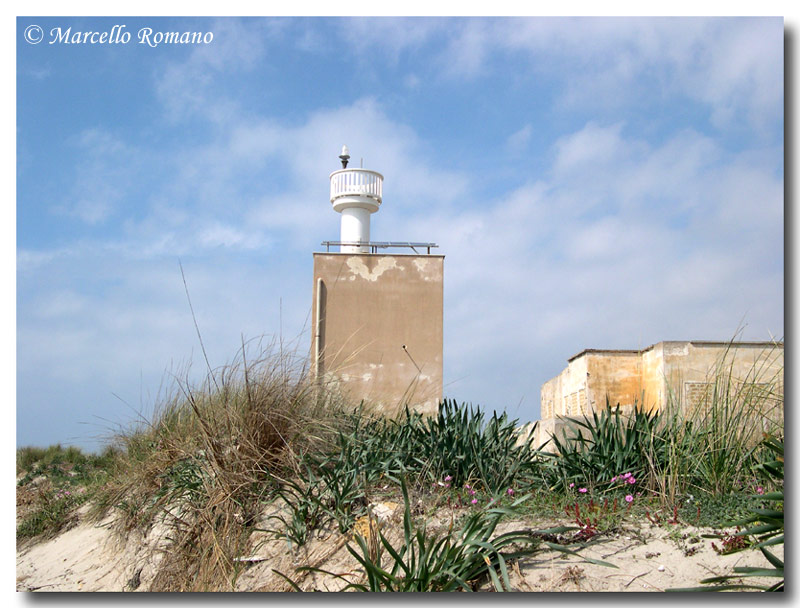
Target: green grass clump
(598, 448)
(53, 514)
(459, 442)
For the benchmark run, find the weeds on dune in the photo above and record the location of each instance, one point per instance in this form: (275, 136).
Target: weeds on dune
(765, 528)
(449, 562)
(713, 445)
(52, 483)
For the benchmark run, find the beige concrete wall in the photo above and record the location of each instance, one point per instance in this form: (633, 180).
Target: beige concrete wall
(690, 369)
(616, 376)
(654, 386)
(381, 327)
(566, 395)
(589, 376)
(662, 374)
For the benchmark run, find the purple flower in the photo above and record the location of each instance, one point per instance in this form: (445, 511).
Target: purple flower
(632, 480)
(572, 485)
(626, 476)
(510, 492)
(448, 478)
(472, 492)
(582, 490)
(613, 479)
(474, 501)
(629, 498)
(759, 490)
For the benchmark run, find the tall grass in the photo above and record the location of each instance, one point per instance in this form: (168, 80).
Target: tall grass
(713, 447)
(212, 455)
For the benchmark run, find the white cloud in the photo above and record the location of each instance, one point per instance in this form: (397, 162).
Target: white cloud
(187, 88)
(393, 36)
(103, 173)
(518, 141)
(729, 65)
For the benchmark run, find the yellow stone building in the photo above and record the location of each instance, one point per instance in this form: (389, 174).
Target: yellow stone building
(666, 374)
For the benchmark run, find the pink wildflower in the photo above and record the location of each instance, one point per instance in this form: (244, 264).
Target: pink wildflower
(472, 492)
(582, 490)
(510, 492)
(474, 501)
(629, 498)
(759, 490)
(572, 485)
(448, 478)
(626, 476)
(632, 480)
(613, 479)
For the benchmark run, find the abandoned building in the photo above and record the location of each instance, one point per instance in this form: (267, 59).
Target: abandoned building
(663, 375)
(376, 317)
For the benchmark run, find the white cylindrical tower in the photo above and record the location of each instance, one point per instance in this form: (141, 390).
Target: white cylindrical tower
(356, 194)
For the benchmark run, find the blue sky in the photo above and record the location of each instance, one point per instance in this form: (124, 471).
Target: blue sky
(593, 183)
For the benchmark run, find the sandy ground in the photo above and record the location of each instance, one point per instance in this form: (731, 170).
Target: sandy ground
(89, 557)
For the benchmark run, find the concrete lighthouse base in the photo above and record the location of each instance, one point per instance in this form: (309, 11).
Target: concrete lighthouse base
(377, 328)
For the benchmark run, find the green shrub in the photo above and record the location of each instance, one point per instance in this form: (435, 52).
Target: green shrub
(597, 448)
(459, 442)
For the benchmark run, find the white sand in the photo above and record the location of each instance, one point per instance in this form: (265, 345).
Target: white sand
(88, 557)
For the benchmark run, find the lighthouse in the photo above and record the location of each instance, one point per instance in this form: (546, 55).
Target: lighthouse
(356, 194)
(377, 318)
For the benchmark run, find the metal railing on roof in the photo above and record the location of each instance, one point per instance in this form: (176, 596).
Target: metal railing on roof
(375, 245)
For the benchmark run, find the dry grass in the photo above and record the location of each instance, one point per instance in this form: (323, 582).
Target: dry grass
(206, 463)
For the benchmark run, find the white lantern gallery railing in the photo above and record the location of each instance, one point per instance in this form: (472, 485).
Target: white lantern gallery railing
(356, 182)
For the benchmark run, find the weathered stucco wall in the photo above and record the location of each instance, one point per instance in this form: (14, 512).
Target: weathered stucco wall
(565, 395)
(381, 327)
(654, 387)
(583, 385)
(666, 373)
(616, 376)
(691, 370)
